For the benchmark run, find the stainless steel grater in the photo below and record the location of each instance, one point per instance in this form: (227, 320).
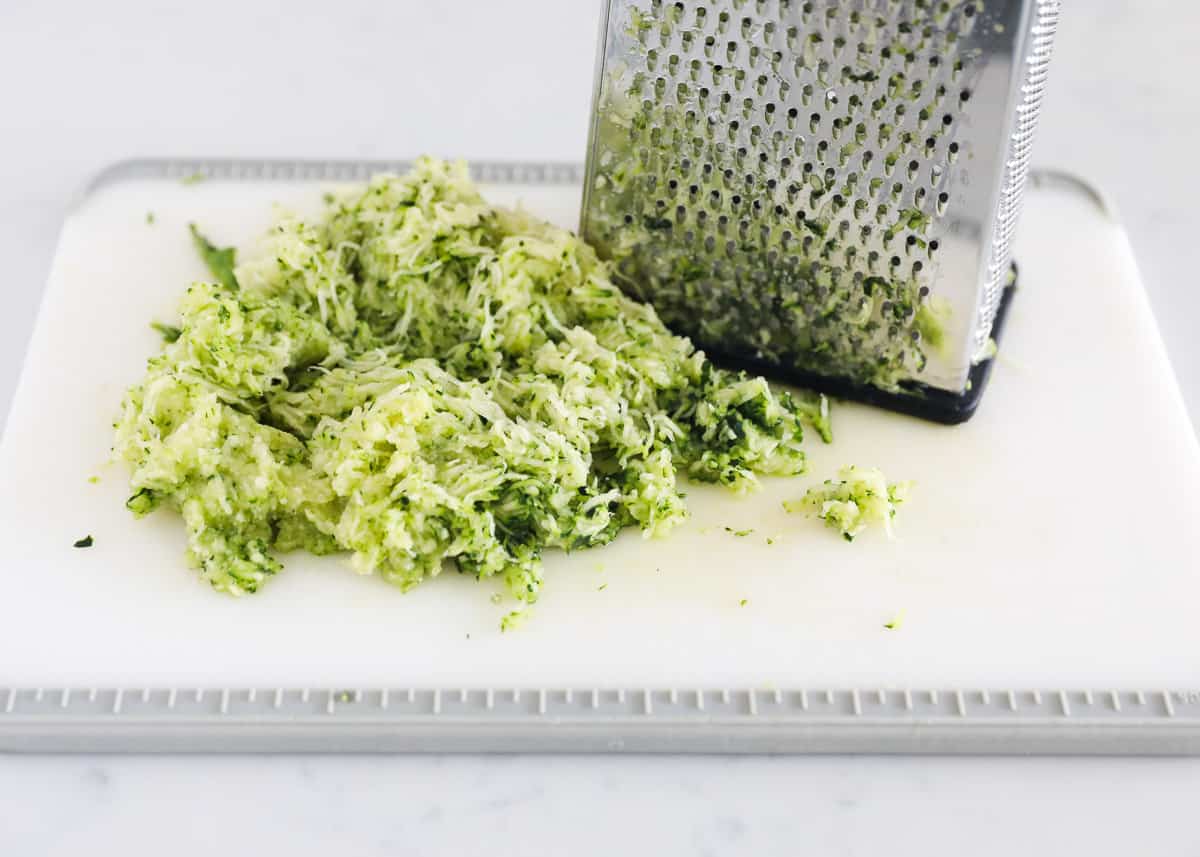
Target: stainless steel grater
(825, 190)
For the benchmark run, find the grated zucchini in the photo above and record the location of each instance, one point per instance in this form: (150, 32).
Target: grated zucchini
(858, 498)
(429, 382)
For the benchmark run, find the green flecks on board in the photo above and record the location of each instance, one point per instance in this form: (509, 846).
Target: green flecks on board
(514, 620)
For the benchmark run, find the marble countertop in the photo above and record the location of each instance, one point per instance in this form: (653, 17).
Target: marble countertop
(86, 84)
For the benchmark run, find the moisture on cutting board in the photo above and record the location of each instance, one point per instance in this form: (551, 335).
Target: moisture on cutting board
(425, 381)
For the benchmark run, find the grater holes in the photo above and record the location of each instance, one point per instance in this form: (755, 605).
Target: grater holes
(852, 72)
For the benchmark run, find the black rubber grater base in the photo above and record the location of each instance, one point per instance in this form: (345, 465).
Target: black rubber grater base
(917, 400)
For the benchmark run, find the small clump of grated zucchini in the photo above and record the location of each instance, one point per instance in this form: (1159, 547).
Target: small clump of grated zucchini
(428, 382)
(858, 498)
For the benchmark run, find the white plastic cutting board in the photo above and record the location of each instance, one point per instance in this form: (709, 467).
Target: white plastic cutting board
(1051, 541)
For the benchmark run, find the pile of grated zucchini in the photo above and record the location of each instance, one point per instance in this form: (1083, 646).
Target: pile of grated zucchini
(427, 381)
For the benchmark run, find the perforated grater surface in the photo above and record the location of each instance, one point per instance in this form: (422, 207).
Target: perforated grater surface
(825, 190)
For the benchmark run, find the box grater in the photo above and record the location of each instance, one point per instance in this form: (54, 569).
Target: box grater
(822, 190)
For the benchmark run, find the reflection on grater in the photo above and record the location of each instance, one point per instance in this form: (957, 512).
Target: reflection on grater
(826, 190)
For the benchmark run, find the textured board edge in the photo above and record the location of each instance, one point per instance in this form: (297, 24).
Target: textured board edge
(284, 170)
(585, 719)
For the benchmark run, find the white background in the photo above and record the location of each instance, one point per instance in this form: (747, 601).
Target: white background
(85, 83)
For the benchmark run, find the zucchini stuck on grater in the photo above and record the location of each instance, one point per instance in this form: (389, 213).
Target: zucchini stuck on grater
(825, 191)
